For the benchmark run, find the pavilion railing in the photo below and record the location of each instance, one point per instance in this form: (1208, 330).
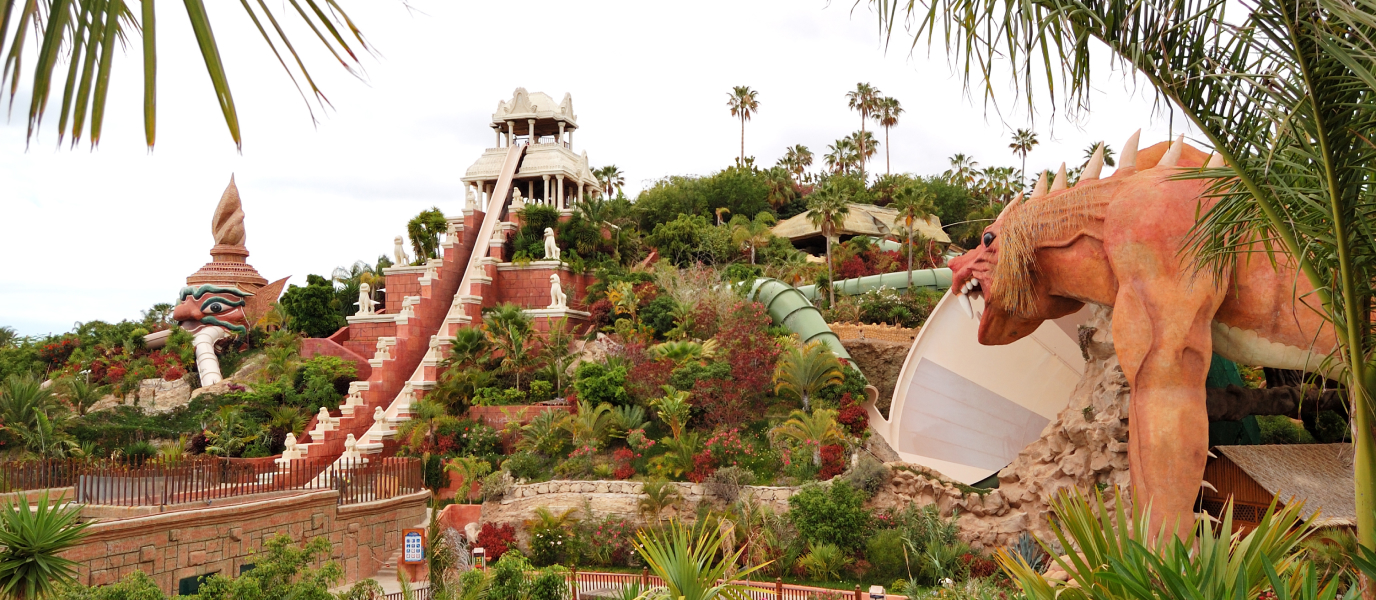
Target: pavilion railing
(157, 482)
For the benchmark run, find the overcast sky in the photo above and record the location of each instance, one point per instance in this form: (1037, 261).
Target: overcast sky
(105, 234)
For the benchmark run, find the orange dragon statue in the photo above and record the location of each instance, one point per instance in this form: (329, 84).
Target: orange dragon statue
(1121, 242)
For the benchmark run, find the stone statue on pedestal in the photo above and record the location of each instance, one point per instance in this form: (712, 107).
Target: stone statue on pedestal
(551, 248)
(399, 253)
(366, 303)
(557, 298)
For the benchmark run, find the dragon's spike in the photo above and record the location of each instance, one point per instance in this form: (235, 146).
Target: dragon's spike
(1129, 158)
(1206, 485)
(1216, 161)
(1059, 183)
(1095, 166)
(1010, 205)
(1172, 156)
(1039, 190)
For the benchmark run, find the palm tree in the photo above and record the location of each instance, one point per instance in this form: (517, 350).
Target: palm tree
(743, 104)
(913, 202)
(752, 233)
(7, 336)
(866, 147)
(674, 410)
(1285, 96)
(1108, 153)
(611, 179)
(806, 370)
(810, 430)
(590, 425)
(509, 330)
(34, 539)
(826, 210)
(658, 495)
(842, 156)
(889, 110)
(797, 158)
(76, 33)
(1024, 140)
(781, 190)
(962, 171)
(556, 353)
(692, 563)
(864, 100)
(469, 469)
(34, 415)
(79, 392)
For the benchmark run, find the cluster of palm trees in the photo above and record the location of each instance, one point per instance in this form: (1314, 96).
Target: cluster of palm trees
(38, 417)
(611, 179)
(871, 104)
(850, 153)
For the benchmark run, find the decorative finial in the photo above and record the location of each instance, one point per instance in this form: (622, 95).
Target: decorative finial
(228, 223)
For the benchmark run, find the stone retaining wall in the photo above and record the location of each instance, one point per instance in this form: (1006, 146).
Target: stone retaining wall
(220, 539)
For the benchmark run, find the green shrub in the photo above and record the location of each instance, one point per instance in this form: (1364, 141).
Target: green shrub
(137, 585)
(830, 514)
(1331, 428)
(527, 465)
(1279, 429)
(825, 561)
(854, 384)
(884, 551)
(548, 585)
(596, 384)
(313, 310)
(868, 475)
(509, 577)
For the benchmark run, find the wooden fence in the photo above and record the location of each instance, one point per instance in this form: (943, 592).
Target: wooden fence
(198, 479)
(601, 583)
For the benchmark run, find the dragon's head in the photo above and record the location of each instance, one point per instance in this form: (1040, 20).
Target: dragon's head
(972, 277)
(212, 306)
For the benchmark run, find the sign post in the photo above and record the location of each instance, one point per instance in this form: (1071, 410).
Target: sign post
(413, 559)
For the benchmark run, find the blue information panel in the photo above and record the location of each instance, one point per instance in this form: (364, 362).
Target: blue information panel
(412, 547)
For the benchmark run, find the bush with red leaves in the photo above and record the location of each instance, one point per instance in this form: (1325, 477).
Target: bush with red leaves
(56, 353)
(703, 466)
(853, 416)
(601, 312)
(173, 373)
(978, 566)
(197, 444)
(833, 461)
(623, 458)
(496, 540)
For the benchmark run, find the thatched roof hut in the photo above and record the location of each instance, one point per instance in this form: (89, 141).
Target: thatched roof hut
(1320, 475)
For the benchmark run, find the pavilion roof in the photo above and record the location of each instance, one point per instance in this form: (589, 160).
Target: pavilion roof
(863, 219)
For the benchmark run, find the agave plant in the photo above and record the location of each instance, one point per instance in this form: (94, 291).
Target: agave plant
(691, 565)
(1118, 558)
(33, 538)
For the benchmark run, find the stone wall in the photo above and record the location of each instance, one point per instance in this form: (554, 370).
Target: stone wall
(220, 539)
(610, 498)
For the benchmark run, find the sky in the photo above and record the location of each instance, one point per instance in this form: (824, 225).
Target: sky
(105, 233)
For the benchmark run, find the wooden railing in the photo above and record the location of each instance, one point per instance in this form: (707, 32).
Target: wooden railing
(758, 590)
(160, 482)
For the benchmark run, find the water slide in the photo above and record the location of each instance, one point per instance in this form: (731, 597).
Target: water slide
(960, 408)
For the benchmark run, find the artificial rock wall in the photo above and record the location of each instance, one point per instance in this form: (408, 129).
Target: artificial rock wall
(220, 539)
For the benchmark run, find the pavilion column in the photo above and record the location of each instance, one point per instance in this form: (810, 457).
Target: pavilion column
(580, 191)
(510, 133)
(530, 191)
(546, 194)
(560, 204)
(561, 133)
(498, 131)
(531, 133)
(571, 139)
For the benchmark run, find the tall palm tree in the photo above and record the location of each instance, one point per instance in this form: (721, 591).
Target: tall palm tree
(842, 156)
(1024, 140)
(87, 36)
(827, 208)
(744, 104)
(962, 171)
(864, 99)
(611, 179)
(866, 147)
(781, 190)
(797, 158)
(888, 113)
(1108, 153)
(806, 370)
(913, 202)
(810, 430)
(1283, 92)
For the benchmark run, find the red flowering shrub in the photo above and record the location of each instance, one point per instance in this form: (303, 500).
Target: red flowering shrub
(644, 381)
(703, 467)
(623, 457)
(601, 312)
(496, 540)
(173, 373)
(978, 566)
(833, 461)
(721, 402)
(727, 448)
(55, 354)
(853, 416)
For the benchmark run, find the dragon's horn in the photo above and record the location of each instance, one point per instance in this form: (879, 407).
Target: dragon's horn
(1172, 156)
(1010, 206)
(1039, 190)
(1216, 161)
(1059, 183)
(1129, 158)
(1096, 164)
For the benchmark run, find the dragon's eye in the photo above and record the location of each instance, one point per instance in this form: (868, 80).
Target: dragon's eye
(988, 238)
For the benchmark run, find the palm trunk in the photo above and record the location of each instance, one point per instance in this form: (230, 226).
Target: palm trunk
(817, 455)
(910, 256)
(742, 140)
(831, 283)
(888, 167)
(1365, 467)
(862, 147)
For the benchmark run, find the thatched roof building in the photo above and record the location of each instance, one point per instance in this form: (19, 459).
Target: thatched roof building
(1320, 475)
(863, 219)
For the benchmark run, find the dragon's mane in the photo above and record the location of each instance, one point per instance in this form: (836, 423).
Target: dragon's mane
(1032, 224)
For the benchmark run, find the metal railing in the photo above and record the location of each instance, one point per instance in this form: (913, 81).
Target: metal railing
(158, 482)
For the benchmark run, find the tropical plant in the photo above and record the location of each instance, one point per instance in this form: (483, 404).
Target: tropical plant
(810, 431)
(962, 172)
(683, 351)
(611, 179)
(287, 418)
(1024, 140)
(33, 414)
(232, 432)
(81, 394)
(843, 155)
(865, 149)
(797, 159)
(693, 565)
(544, 433)
(87, 35)
(806, 370)
(743, 103)
(781, 189)
(33, 539)
(887, 114)
(864, 99)
(674, 410)
(827, 208)
(913, 203)
(469, 469)
(509, 329)
(824, 562)
(557, 354)
(590, 425)
(657, 495)
(425, 230)
(1284, 93)
(1108, 153)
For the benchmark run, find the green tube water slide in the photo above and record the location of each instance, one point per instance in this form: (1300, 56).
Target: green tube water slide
(792, 307)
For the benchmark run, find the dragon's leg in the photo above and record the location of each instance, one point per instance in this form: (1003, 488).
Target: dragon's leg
(1161, 333)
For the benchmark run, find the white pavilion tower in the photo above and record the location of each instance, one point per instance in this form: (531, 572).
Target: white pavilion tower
(550, 173)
